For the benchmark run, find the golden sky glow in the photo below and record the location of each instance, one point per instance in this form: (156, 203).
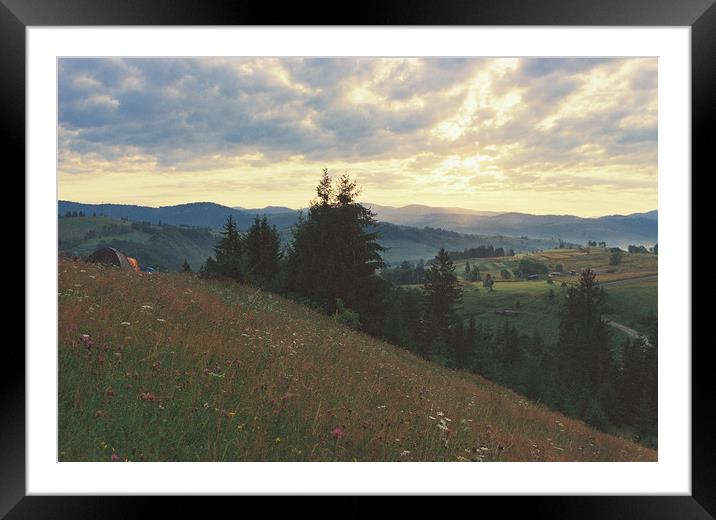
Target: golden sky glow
(575, 136)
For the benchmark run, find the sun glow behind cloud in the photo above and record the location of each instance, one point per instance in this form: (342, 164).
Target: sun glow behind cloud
(535, 135)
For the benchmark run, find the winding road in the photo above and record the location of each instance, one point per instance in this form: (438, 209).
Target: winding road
(628, 331)
(633, 279)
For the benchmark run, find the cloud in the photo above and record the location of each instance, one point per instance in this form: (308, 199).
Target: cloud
(499, 124)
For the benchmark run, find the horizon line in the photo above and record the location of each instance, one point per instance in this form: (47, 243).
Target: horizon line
(467, 210)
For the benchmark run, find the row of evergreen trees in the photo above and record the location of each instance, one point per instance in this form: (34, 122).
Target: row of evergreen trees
(251, 257)
(333, 262)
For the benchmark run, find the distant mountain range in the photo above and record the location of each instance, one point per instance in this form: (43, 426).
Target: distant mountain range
(195, 214)
(620, 230)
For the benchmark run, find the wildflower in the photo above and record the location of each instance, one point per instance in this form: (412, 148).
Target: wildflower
(109, 391)
(404, 453)
(147, 396)
(125, 323)
(161, 320)
(337, 432)
(147, 307)
(225, 413)
(277, 440)
(98, 414)
(114, 457)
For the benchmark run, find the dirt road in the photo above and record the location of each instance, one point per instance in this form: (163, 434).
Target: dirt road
(633, 279)
(628, 331)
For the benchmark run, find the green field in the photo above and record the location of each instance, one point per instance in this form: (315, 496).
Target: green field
(528, 303)
(631, 300)
(398, 250)
(530, 300)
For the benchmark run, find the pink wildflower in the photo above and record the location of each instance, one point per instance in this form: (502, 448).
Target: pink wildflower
(337, 432)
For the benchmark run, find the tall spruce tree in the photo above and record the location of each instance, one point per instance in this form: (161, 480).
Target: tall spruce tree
(335, 255)
(263, 250)
(585, 365)
(441, 294)
(229, 251)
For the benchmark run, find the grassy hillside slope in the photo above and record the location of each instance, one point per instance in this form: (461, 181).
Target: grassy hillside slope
(164, 246)
(169, 367)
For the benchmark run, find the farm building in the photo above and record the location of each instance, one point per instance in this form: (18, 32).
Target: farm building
(111, 256)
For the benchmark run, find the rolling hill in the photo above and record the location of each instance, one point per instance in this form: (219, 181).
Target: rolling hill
(408, 233)
(195, 214)
(169, 367)
(164, 246)
(168, 245)
(617, 230)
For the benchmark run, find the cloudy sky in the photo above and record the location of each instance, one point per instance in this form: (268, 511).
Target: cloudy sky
(574, 136)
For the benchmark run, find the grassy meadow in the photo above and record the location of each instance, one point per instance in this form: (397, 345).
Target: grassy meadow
(169, 367)
(631, 289)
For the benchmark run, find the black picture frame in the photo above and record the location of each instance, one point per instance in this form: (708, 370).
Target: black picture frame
(700, 15)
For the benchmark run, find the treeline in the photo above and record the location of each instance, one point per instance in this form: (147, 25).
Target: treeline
(487, 251)
(71, 214)
(641, 249)
(333, 263)
(251, 257)
(408, 273)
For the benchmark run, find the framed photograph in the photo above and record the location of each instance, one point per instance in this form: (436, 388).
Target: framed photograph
(413, 255)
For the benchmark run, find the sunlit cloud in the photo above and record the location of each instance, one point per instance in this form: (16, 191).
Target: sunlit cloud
(535, 135)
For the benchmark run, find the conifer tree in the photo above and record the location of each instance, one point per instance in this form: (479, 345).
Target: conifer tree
(263, 249)
(334, 253)
(441, 294)
(584, 359)
(229, 251)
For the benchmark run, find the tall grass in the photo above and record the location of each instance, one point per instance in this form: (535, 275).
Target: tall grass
(172, 368)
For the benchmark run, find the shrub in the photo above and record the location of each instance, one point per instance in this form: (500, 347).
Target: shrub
(347, 316)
